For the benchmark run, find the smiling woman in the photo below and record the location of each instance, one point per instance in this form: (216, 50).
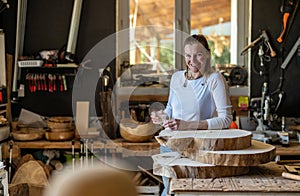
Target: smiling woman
(198, 97)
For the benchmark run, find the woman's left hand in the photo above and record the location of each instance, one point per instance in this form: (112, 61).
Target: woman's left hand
(176, 124)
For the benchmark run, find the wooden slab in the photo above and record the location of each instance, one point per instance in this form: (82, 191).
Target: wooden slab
(256, 154)
(172, 165)
(227, 139)
(263, 179)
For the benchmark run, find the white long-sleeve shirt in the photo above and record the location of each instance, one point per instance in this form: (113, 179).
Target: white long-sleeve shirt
(201, 99)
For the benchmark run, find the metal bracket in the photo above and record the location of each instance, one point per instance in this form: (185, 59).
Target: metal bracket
(290, 55)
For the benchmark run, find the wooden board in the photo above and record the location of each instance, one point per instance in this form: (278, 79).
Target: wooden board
(228, 139)
(261, 179)
(256, 154)
(172, 165)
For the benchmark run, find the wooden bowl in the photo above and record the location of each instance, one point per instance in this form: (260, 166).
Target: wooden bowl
(59, 136)
(59, 122)
(29, 134)
(70, 128)
(134, 131)
(60, 119)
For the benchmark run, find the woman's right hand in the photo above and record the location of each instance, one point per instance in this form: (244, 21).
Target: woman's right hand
(158, 117)
(172, 124)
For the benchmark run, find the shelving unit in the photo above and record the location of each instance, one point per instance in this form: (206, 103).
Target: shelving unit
(56, 96)
(3, 111)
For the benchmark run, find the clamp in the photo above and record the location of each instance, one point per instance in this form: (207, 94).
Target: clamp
(289, 11)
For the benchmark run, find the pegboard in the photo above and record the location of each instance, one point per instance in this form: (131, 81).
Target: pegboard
(266, 15)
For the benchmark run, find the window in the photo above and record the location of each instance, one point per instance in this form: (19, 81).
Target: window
(152, 37)
(157, 30)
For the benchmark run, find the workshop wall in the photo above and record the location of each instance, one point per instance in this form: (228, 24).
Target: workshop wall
(47, 28)
(266, 15)
(49, 24)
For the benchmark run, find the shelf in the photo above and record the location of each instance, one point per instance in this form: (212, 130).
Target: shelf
(3, 105)
(118, 145)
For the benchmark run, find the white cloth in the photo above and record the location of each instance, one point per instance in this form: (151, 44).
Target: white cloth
(201, 99)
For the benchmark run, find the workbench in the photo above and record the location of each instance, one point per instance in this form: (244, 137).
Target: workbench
(292, 150)
(117, 144)
(261, 180)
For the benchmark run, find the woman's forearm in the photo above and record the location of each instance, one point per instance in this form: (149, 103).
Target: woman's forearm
(192, 125)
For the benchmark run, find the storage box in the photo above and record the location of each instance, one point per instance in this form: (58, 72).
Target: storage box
(30, 63)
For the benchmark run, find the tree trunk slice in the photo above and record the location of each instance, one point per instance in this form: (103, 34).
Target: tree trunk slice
(26, 189)
(172, 165)
(227, 139)
(30, 172)
(256, 154)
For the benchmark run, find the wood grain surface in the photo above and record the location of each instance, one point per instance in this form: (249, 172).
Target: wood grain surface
(172, 165)
(257, 153)
(228, 139)
(265, 178)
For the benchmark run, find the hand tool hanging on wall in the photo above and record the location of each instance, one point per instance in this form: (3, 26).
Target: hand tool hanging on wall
(264, 36)
(288, 11)
(283, 67)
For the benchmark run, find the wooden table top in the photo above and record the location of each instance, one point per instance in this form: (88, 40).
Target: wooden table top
(119, 144)
(264, 178)
(292, 149)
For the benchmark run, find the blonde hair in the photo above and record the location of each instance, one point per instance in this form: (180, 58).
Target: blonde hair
(199, 38)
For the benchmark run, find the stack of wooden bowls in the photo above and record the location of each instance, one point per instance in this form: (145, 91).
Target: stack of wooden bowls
(60, 128)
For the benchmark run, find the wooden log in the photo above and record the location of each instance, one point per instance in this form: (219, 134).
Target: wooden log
(24, 159)
(172, 165)
(256, 154)
(229, 139)
(57, 164)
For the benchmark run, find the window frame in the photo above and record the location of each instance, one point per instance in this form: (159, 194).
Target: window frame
(240, 30)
